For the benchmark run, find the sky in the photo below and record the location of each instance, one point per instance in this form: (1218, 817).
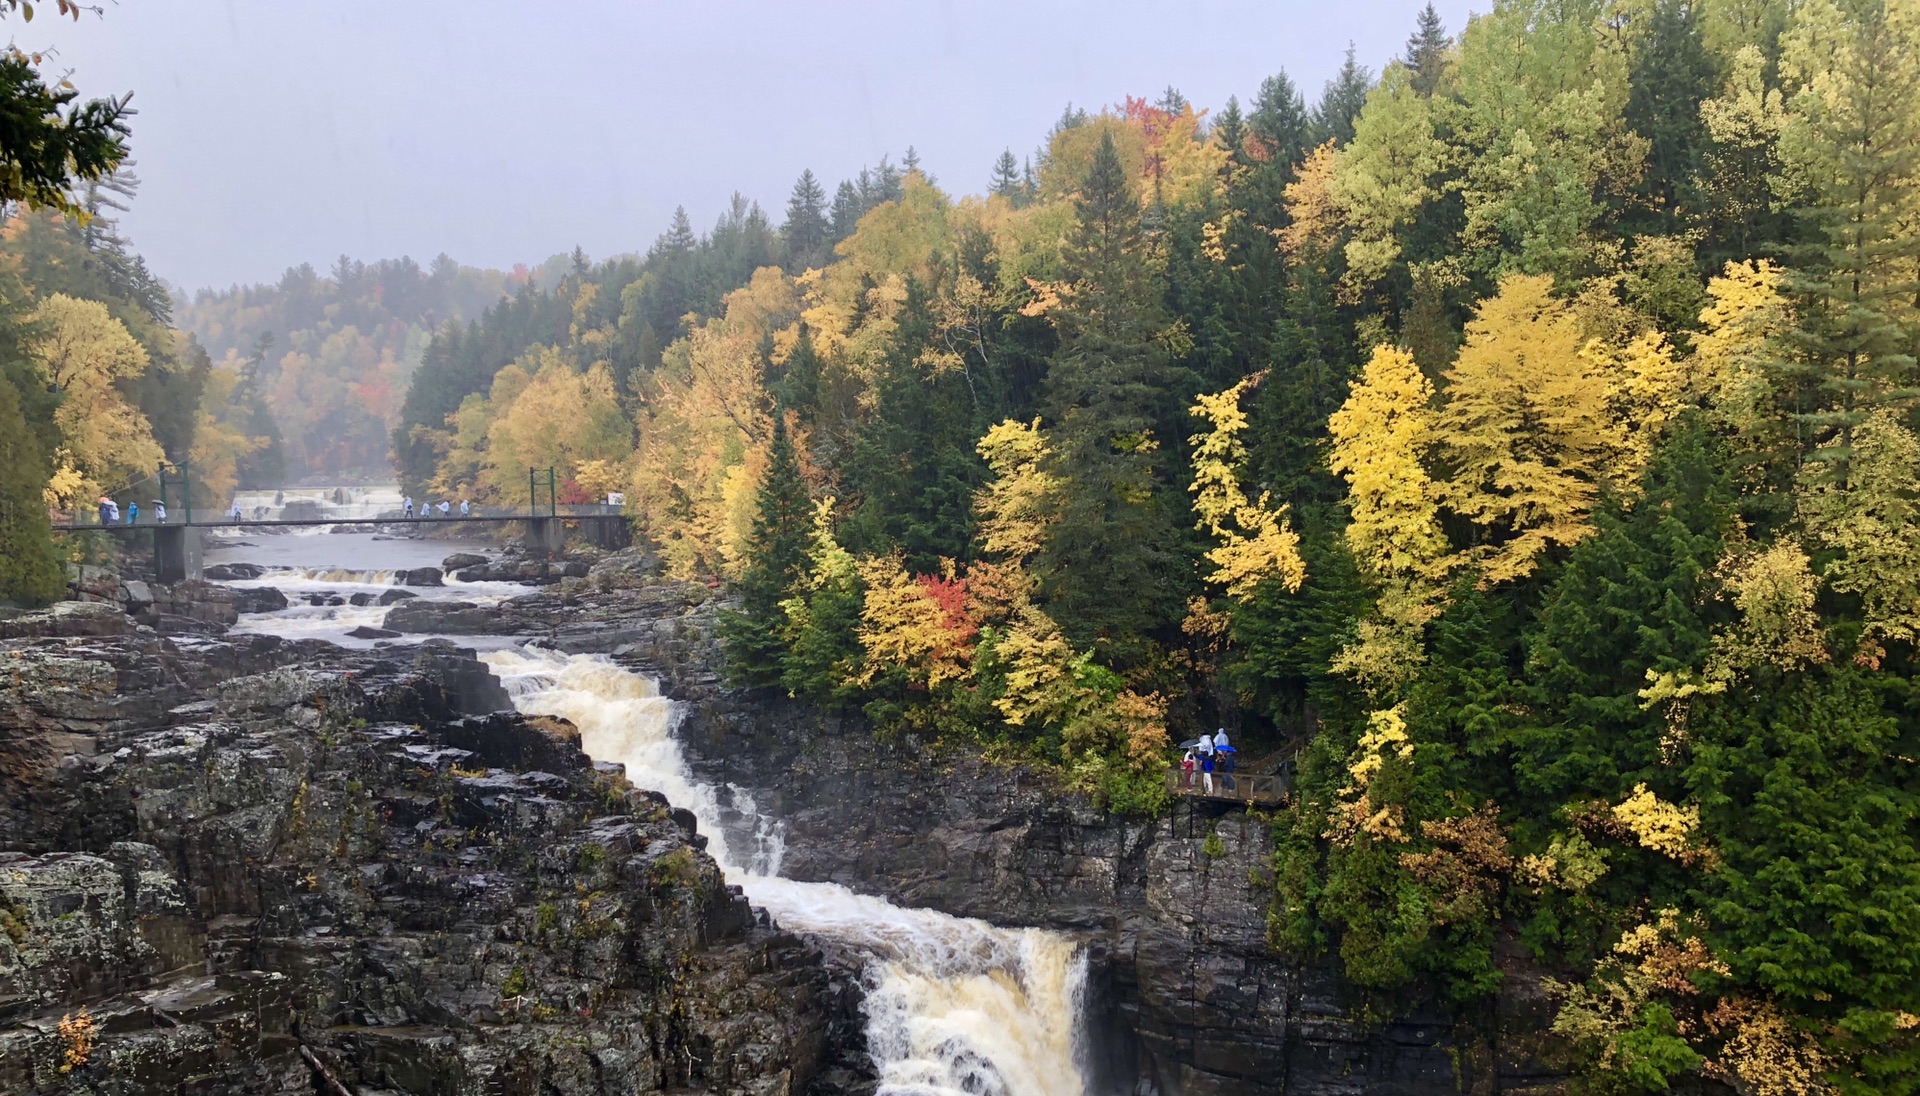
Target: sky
(276, 132)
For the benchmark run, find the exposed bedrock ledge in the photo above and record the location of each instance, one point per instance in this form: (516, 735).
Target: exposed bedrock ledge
(252, 861)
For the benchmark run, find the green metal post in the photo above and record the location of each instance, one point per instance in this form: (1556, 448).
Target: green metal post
(186, 491)
(553, 500)
(533, 494)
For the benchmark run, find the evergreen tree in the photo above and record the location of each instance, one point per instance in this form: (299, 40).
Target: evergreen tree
(267, 465)
(1279, 120)
(1231, 129)
(914, 466)
(1341, 102)
(1006, 178)
(1426, 55)
(776, 562)
(805, 232)
(847, 210)
(679, 239)
(1112, 568)
(29, 570)
(1855, 133)
(1670, 73)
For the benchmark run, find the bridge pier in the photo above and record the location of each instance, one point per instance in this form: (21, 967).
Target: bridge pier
(608, 533)
(176, 553)
(545, 536)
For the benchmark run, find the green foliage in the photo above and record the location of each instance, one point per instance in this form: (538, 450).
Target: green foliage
(777, 556)
(47, 142)
(29, 570)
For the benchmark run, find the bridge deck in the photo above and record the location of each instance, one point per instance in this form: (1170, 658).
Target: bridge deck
(147, 522)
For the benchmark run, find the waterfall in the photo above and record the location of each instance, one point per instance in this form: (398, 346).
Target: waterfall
(954, 1006)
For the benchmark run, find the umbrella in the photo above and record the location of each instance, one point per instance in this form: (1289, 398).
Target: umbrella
(1225, 749)
(1189, 745)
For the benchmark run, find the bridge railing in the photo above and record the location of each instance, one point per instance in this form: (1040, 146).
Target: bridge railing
(203, 519)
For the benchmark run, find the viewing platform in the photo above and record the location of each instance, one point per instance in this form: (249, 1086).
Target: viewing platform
(1250, 789)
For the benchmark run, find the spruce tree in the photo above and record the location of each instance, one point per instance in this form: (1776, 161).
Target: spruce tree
(1111, 565)
(1006, 177)
(847, 210)
(1669, 74)
(776, 562)
(29, 570)
(1427, 51)
(1341, 102)
(1279, 120)
(805, 232)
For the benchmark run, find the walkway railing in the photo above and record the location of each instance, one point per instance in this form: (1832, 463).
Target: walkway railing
(1262, 790)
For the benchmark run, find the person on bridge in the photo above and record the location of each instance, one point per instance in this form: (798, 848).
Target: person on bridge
(445, 507)
(464, 510)
(407, 504)
(1206, 771)
(1186, 771)
(133, 512)
(159, 511)
(236, 511)
(106, 510)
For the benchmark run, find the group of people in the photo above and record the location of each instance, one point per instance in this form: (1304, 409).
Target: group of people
(110, 512)
(1212, 753)
(427, 508)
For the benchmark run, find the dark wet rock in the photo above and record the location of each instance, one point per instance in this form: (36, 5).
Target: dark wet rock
(425, 616)
(420, 576)
(360, 598)
(323, 599)
(461, 560)
(228, 572)
(395, 597)
(258, 599)
(247, 856)
(367, 632)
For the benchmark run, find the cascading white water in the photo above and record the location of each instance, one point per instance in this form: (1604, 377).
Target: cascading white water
(955, 1006)
(357, 503)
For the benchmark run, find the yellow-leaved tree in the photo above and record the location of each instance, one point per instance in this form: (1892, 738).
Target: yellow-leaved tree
(83, 353)
(1526, 431)
(1381, 435)
(1872, 521)
(1255, 541)
(704, 429)
(547, 415)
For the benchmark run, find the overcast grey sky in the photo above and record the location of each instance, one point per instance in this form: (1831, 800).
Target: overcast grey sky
(275, 132)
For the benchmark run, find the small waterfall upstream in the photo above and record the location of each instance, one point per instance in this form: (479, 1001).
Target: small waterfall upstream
(955, 1006)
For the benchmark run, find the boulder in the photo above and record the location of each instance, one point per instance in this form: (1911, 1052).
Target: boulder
(361, 598)
(394, 597)
(68, 619)
(258, 599)
(420, 576)
(229, 572)
(460, 561)
(325, 599)
(367, 632)
(136, 594)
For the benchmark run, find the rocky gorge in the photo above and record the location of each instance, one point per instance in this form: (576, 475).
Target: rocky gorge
(288, 866)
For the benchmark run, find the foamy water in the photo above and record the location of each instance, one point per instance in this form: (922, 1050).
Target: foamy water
(955, 1006)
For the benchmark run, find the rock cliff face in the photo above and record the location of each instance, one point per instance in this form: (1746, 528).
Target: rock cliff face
(242, 866)
(1195, 1002)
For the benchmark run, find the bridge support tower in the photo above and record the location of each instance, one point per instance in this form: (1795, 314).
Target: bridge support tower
(176, 553)
(545, 536)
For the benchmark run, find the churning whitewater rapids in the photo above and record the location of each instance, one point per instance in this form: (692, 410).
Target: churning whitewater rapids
(954, 1005)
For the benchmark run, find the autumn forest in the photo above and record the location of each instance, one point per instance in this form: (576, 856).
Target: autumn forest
(1521, 437)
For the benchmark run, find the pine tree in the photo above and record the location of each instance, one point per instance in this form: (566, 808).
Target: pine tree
(1111, 565)
(1426, 55)
(805, 231)
(1854, 133)
(29, 570)
(1279, 121)
(1006, 178)
(1341, 102)
(776, 562)
(679, 239)
(1231, 129)
(1670, 73)
(847, 210)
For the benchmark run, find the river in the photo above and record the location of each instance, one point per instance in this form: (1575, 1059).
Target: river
(954, 1005)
